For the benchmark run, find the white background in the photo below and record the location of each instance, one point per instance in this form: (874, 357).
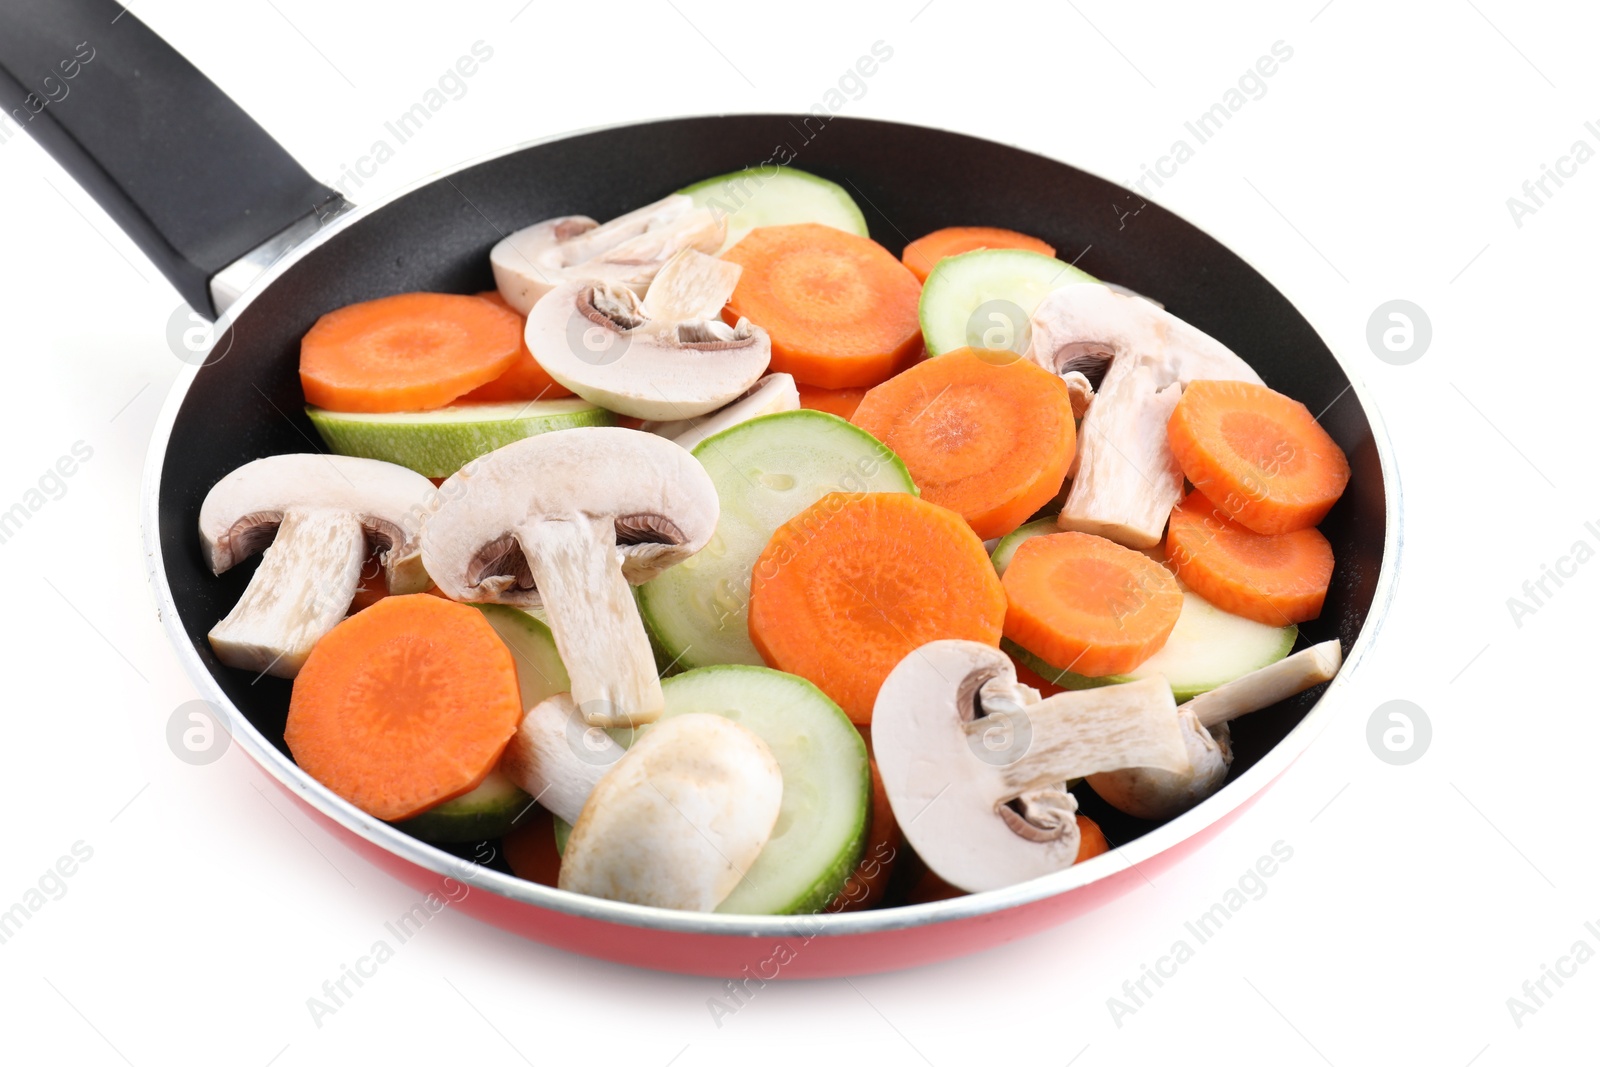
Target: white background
(1377, 166)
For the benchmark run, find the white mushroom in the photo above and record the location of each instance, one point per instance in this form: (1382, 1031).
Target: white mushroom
(678, 821)
(975, 763)
(1159, 793)
(557, 758)
(627, 251)
(566, 520)
(669, 356)
(770, 395)
(317, 516)
(1125, 481)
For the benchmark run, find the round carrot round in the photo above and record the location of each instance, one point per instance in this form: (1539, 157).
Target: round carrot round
(530, 849)
(1091, 839)
(850, 586)
(1087, 604)
(986, 434)
(1258, 455)
(525, 380)
(404, 705)
(840, 402)
(923, 254)
(840, 309)
(411, 352)
(1274, 579)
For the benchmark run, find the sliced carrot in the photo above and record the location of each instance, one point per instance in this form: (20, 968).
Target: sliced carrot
(372, 585)
(404, 705)
(1087, 604)
(985, 434)
(930, 887)
(840, 402)
(1091, 839)
(870, 880)
(526, 380)
(1258, 455)
(1274, 579)
(840, 309)
(530, 849)
(851, 585)
(411, 352)
(923, 254)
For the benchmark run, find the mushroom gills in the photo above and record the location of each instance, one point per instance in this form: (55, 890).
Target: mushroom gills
(678, 821)
(301, 589)
(974, 762)
(776, 196)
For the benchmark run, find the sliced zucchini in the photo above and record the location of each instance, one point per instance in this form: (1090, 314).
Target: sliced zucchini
(1207, 647)
(984, 299)
(439, 443)
(766, 471)
(776, 196)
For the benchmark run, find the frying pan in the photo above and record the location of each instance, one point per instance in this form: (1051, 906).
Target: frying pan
(244, 232)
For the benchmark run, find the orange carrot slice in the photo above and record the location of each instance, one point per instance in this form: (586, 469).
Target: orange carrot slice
(526, 380)
(404, 705)
(1091, 839)
(1087, 604)
(850, 586)
(923, 254)
(1274, 579)
(1258, 455)
(530, 849)
(411, 352)
(840, 309)
(840, 402)
(986, 434)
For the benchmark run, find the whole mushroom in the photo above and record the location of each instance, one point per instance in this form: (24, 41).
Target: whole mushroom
(1125, 480)
(567, 520)
(975, 763)
(1161, 793)
(317, 517)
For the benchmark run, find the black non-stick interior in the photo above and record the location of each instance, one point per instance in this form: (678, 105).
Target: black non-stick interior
(246, 402)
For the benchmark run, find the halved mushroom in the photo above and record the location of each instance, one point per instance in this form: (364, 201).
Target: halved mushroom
(669, 356)
(678, 821)
(1126, 481)
(557, 758)
(567, 520)
(627, 251)
(1160, 793)
(975, 763)
(770, 395)
(317, 517)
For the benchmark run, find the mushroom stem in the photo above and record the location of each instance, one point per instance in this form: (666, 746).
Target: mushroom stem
(1079, 733)
(557, 759)
(301, 589)
(1265, 687)
(578, 572)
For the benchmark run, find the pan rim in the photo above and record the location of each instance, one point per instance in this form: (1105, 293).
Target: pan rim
(375, 832)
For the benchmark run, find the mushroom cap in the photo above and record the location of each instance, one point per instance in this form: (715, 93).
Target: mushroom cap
(242, 512)
(659, 497)
(678, 821)
(771, 394)
(529, 263)
(596, 340)
(1157, 794)
(944, 768)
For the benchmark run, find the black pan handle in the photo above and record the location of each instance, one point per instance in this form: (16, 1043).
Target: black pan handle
(188, 175)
